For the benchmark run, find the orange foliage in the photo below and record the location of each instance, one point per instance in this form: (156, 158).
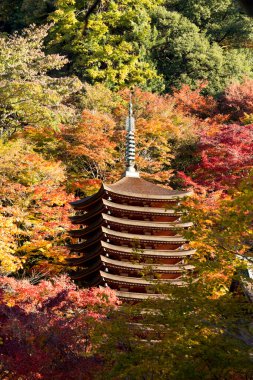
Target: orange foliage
(35, 206)
(94, 149)
(194, 102)
(92, 139)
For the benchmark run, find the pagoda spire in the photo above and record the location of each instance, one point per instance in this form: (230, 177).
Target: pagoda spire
(130, 143)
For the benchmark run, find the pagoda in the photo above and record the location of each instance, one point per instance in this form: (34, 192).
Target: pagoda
(129, 235)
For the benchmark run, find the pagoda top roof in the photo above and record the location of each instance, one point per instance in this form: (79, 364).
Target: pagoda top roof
(131, 187)
(139, 187)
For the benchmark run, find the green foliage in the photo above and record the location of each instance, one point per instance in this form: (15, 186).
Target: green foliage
(188, 336)
(190, 41)
(109, 42)
(28, 94)
(17, 14)
(100, 98)
(149, 43)
(223, 22)
(185, 55)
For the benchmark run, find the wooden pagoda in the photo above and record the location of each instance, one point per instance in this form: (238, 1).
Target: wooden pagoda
(129, 234)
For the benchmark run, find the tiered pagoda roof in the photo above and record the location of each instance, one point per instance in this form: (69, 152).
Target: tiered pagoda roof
(129, 229)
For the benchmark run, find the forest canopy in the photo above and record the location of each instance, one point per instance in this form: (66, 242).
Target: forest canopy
(153, 44)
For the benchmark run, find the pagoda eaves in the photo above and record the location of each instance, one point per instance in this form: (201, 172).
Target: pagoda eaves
(121, 237)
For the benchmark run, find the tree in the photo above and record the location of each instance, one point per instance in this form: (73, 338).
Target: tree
(34, 210)
(160, 130)
(237, 100)
(91, 149)
(222, 22)
(193, 102)
(247, 5)
(185, 55)
(225, 157)
(46, 329)
(149, 43)
(106, 41)
(200, 331)
(28, 94)
(189, 336)
(21, 13)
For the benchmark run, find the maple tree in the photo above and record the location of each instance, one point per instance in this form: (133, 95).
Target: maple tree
(222, 233)
(161, 131)
(193, 102)
(221, 208)
(34, 210)
(202, 330)
(225, 157)
(46, 329)
(91, 146)
(237, 100)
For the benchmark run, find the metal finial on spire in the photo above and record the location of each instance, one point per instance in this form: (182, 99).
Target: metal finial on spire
(130, 143)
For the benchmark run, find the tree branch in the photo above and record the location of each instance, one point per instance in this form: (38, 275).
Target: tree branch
(89, 13)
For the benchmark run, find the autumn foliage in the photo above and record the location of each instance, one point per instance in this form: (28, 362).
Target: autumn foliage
(225, 157)
(186, 138)
(46, 329)
(34, 209)
(238, 100)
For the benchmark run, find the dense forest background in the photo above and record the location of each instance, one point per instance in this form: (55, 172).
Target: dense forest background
(66, 71)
